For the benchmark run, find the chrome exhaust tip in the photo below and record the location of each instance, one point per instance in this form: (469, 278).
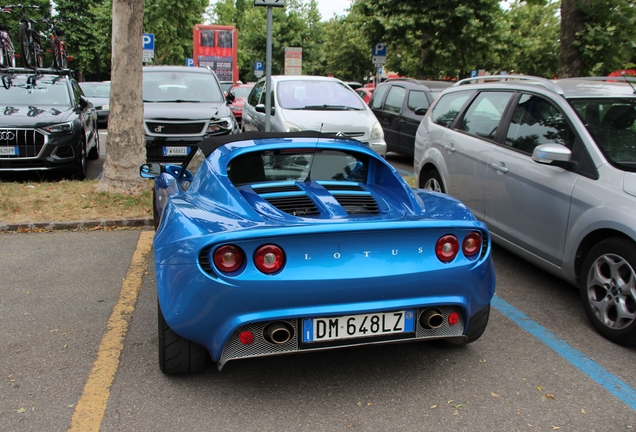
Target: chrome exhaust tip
(278, 332)
(431, 318)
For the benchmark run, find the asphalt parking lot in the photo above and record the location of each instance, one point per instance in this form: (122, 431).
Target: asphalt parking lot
(79, 353)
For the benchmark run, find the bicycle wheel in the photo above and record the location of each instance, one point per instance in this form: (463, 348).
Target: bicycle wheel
(63, 57)
(10, 52)
(4, 60)
(28, 57)
(56, 55)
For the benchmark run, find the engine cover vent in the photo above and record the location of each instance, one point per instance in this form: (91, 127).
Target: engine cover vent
(275, 189)
(295, 205)
(358, 203)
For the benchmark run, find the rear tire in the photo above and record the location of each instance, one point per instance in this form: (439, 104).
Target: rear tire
(28, 58)
(608, 289)
(176, 354)
(81, 169)
(432, 181)
(94, 153)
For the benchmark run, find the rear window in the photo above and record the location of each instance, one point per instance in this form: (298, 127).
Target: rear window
(448, 106)
(297, 165)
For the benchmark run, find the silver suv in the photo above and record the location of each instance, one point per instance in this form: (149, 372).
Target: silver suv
(550, 166)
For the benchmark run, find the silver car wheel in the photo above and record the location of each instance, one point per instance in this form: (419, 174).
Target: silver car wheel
(433, 185)
(611, 290)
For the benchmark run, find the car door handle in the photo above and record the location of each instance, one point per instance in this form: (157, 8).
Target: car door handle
(451, 148)
(501, 168)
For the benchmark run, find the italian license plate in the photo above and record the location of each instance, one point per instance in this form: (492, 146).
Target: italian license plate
(9, 151)
(357, 326)
(176, 151)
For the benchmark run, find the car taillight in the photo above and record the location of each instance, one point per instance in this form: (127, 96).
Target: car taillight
(447, 248)
(228, 258)
(472, 244)
(269, 259)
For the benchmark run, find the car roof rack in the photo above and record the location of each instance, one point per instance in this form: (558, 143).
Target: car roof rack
(38, 71)
(548, 84)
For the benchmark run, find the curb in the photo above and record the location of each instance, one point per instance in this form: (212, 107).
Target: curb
(78, 225)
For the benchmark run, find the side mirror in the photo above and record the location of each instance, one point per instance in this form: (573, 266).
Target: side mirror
(151, 170)
(261, 109)
(420, 111)
(83, 102)
(548, 153)
(230, 97)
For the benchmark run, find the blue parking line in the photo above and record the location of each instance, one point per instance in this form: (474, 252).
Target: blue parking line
(611, 383)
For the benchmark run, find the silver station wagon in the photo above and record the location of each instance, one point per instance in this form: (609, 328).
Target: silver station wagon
(550, 166)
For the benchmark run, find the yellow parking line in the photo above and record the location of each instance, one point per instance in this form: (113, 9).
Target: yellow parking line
(92, 404)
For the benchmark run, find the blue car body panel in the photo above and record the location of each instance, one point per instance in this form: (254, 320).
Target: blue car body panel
(338, 263)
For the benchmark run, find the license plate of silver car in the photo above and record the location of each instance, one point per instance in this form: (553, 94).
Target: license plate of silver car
(176, 151)
(357, 326)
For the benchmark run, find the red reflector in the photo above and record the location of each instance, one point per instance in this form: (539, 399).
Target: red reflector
(269, 259)
(246, 337)
(472, 244)
(453, 318)
(447, 248)
(228, 258)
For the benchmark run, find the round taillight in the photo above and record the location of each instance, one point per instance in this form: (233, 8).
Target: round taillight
(472, 244)
(228, 258)
(246, 337)
(269, 259)
(453, 318)
(447, 248)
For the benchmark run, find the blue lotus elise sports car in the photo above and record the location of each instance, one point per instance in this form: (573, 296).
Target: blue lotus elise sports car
(275, 243)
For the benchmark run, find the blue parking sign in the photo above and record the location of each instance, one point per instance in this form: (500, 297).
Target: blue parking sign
(189, 62)
(148, 40)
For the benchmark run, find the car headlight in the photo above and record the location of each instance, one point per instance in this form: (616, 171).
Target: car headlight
(221, 124)
(59, 128)
(291, 127)
(376, 131)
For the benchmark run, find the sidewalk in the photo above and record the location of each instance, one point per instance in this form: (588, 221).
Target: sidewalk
(77, 225)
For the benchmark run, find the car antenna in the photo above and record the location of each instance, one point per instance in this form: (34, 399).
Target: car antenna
(628, 81)
(311, 164)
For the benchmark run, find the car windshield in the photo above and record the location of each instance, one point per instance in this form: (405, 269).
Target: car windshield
(611, 122)
(177, 86)
(27, 91)
(297, 165)
(317, 95)
(96, 90)
(242, 91)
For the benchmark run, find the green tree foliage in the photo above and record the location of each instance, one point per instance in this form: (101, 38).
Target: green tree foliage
(447, 37)
(608, 41)
(349, 54)
(532, 39)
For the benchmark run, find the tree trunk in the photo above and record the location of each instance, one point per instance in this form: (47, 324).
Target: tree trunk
(572, 23)
(126, 143)
(425, 48)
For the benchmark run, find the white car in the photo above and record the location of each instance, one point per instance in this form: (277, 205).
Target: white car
(323, 104)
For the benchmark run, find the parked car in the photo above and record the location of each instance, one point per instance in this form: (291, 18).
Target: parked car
(48, 123)
(399, 104)
(274, 243)
(182, 106)
(551, 168)
(226, 86)
(353, 84)
(365, 93)
(314, 103)
(240, 92)
(98, 93)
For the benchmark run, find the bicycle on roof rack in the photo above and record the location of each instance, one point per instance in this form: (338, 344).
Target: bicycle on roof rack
(7, 52)
(58, 45)
(29, 38)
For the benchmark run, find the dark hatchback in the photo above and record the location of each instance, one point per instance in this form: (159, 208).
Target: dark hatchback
(182, 106)
(46, 123)
(399, 104)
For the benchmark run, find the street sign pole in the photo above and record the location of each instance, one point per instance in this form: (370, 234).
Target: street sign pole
(268, 60)
(268, 71)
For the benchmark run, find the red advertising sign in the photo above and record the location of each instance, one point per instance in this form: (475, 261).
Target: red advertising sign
(216, 46)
